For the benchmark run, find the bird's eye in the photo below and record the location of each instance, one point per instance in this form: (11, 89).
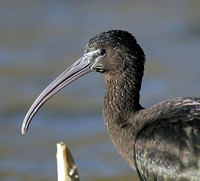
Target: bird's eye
(102, 52)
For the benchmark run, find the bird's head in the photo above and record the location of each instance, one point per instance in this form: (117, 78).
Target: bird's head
(119, 50)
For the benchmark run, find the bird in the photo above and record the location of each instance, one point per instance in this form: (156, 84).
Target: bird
(161, 142)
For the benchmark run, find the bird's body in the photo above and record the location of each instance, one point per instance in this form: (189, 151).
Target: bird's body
(161, 142)
(167, 146)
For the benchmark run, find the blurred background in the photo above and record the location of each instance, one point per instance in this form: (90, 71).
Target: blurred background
(40, 39)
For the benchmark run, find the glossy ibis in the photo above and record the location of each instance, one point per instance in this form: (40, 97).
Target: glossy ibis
(161, 142)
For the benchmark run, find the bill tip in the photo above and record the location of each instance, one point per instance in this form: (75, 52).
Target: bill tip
(23, 130)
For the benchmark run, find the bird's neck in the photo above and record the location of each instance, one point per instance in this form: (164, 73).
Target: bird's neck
(121, 97)
(120, 102)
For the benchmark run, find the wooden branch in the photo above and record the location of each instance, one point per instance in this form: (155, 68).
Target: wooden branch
(66, 168)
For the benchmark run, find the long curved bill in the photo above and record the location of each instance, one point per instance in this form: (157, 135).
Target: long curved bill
(76, 70)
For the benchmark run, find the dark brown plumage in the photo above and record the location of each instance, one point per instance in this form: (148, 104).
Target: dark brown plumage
(161, 142)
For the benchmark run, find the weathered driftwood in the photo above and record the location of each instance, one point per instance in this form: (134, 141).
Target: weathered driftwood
(66, 168)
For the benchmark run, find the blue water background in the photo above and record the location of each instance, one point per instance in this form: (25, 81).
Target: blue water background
(40, 39)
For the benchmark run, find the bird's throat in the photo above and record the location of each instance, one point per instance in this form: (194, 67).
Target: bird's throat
(121, 97)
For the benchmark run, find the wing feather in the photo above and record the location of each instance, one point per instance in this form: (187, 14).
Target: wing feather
(168, 148)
